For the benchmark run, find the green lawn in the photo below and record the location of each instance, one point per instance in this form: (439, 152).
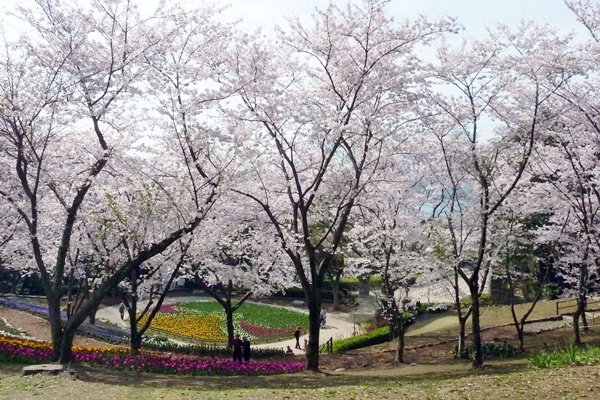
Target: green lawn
(255, 314)
(501, 380)
(498, 379)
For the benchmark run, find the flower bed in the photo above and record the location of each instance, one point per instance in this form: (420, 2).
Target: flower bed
(29, 351)
(262, 332)
(195, 326)
(168, 309)
(205, 320)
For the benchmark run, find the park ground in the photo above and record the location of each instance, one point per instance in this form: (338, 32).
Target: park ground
(429, 371)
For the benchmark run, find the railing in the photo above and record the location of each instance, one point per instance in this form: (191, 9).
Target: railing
(328, 346)
(572, 303)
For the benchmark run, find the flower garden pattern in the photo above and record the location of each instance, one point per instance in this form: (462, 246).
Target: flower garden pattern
(206, 321)
(18, 350)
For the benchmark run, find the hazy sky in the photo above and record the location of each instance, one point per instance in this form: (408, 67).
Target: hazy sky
(474, 15)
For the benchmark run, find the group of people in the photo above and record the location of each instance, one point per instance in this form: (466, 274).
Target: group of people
(241, 348)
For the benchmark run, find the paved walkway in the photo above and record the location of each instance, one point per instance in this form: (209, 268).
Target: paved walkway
(339, 325)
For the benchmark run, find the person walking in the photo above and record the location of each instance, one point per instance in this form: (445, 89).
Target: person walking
(237, 345)
(122, 310)
(246, 349)
(323, 317)
(297, 336)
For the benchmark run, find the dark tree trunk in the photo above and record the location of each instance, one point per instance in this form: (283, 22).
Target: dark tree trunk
(229, 317)
(462, 334)
(92, 317)
(66, 345)
(312, 350)
(400, 328)
(576, 316)
(335, 287)
(476, 331)
(136, 342)
(136, 337)
(521, 335)
(56, 325)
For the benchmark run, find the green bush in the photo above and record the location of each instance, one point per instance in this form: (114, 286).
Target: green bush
(504, 350)
(378, 336)
(485, 299)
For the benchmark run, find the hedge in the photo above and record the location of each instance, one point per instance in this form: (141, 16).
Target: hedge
(377, 336)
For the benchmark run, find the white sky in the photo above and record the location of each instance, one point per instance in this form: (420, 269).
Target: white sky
(474, 15)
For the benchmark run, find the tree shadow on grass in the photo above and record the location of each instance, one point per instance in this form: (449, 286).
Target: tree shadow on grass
(397, 375)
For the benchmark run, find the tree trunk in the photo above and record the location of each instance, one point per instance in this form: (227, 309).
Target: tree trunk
(521, 335)
(56, 325)
(476, 328)
(576, 316)
(136, 338)
(335, 286)
(136, 342)
(66, 345)
(312, 350)
(92, 317)
(462, 334)
(229, 317)
(400, 328)
(583, 301)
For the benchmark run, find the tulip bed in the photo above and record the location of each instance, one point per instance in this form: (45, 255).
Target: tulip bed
(195, 326)
(13, 349)
(205, 320)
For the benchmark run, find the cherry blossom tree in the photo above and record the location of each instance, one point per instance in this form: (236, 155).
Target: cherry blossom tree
(484, 80)
(321, 102)
(70, 108)
(387, 238)
(566, 167)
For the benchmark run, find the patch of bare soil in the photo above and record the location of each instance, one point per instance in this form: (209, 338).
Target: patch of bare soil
(436, 348)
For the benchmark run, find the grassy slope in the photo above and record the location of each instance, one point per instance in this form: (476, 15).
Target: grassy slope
(501, 379)
(497, 381)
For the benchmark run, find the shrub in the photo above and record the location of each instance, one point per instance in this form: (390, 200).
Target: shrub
(485, 299)
(566, 356)
(504, 350)
(377, 336)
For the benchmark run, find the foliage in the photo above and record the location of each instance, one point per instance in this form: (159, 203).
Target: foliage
(567, 356)
(431, 308)
(491, 349)
(485, 299)
(377, 336)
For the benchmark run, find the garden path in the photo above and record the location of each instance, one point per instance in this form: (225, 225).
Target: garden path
(339, 324)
